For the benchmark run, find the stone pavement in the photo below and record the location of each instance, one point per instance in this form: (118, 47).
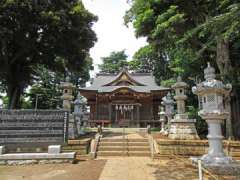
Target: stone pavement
(128, 168)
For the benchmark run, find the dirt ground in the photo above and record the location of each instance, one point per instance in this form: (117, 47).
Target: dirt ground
(84, 170)
(112, 168)
(135, 168)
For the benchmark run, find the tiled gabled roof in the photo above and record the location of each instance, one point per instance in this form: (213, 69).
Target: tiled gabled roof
(146, 83)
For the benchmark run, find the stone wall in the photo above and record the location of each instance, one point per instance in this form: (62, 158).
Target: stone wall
(29, 128)
(194, 147)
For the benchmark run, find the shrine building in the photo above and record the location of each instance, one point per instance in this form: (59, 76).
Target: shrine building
(124, 99)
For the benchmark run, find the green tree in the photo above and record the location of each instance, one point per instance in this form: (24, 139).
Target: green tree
(45, 93)
(207, 28)
(148, 59)
(191, 33)
(114, 62)
(56, 34)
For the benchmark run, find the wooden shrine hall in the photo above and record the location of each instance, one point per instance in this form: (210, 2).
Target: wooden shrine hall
(124, 99)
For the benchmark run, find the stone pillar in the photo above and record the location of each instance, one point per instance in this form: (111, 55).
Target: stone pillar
(181, 127)
(67, 98)
(211, 93)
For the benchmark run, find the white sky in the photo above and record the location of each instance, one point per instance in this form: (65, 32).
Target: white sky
(111, 32)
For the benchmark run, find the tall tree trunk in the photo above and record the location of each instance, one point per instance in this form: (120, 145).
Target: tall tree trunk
(14, 94)
(225, 67)
(223, 59)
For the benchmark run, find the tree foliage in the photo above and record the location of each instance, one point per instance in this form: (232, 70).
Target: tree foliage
(114, 62)
(148, 59)
(190, 33)
(56, 34)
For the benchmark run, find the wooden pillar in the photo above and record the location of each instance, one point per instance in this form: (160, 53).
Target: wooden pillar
(116, 113)
(132, 121)
(151, 107)
(138, 116)
(110, 112)
(96, 107)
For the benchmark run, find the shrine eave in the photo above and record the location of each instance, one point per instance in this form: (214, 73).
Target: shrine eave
(135, 89)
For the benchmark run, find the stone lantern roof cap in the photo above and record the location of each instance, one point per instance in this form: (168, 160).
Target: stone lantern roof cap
(179, 83)
(80, 100)
(211, 83)
(209, 72)
(67, 84)
(168, 99)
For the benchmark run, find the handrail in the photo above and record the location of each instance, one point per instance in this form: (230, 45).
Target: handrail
(124, 140)
(151, 142)
(94, 145)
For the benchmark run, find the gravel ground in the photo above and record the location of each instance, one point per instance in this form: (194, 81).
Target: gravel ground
(84, 170)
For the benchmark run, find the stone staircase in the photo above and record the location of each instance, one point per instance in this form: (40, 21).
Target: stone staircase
(124, 147)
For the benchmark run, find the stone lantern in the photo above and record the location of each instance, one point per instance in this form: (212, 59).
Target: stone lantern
(168, 102)
(67, 97)
(79, 105)
(211, 94)
(79, 110)
(162, 120)
(181, 127)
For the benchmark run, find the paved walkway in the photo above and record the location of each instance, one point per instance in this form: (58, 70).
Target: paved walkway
(118, 133)
(128, 168)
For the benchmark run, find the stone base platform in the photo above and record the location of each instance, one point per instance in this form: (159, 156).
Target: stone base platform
(194, 147)
(183, 129)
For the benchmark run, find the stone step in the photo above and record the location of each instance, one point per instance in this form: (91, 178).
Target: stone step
(123, 144)
(76, 151)
(74, 147)
(119, 153)
(124, 140)
(122, 148)
(83, 157)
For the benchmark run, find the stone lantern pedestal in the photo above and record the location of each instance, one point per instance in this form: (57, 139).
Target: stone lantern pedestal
(215, 152)
(181, 126)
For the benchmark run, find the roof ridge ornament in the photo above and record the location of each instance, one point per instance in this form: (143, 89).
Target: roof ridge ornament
(209, 72)
(179, 78)
(125, 69)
